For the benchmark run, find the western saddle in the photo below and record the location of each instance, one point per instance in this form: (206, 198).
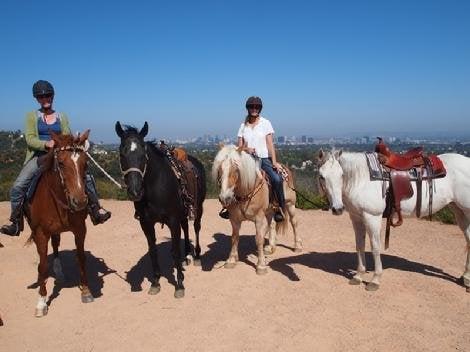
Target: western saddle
(404, 168)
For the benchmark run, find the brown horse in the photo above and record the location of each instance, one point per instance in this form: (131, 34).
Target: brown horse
(59, 205)
(245, 193)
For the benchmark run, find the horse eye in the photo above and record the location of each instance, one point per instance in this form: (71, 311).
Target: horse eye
(321, 178)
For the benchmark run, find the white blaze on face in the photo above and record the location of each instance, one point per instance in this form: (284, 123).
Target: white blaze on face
(75, 157)
(226, 192)
(133, 146)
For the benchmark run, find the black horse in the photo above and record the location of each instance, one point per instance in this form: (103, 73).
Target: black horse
(156, 192)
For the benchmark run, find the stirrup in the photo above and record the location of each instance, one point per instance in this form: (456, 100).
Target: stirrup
(97, 217)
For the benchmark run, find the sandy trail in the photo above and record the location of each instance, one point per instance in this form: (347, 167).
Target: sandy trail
(304, 303)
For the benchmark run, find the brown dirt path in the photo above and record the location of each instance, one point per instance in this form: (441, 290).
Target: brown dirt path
(304, 303)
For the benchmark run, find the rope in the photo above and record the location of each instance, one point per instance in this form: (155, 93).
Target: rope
(303, 196)
(104, 171)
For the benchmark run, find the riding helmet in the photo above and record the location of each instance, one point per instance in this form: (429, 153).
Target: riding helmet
(254, 101)
(42, 88)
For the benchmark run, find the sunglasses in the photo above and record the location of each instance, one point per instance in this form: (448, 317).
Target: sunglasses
(43, 96)
(254, 107)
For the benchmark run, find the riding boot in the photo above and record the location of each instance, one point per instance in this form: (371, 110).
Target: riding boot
(94, 207)
(224, 214)
(16, 219)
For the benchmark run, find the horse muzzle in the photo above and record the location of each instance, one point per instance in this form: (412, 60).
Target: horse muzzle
(78, 204)
(337, 210)
(226, 200)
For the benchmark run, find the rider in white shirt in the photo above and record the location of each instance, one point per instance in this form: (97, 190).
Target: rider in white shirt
(256, 137)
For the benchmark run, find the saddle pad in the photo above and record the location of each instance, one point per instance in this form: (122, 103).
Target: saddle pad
(379, 173)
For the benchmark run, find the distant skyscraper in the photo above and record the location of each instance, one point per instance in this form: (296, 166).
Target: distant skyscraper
(281, 139)
(304, 139)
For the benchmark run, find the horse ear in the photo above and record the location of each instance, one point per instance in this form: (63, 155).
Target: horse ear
(321, 154)
(143, 132)
(54, 136)
(239, 150)
(119, 129)
(221, 145)
(338, 153)
(83, 137)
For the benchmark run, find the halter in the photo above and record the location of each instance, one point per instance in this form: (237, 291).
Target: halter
(135, 169)
(57, 168)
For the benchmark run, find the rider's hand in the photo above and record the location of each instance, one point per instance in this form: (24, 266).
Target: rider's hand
(50, 144)
(277, 166)
(250, 150)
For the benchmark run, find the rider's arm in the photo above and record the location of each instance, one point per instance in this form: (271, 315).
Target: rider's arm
(31, 133)
(241, 143)
(271, 149)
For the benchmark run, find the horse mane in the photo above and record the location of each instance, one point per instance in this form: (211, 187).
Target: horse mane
(355, 169)
(246, 164)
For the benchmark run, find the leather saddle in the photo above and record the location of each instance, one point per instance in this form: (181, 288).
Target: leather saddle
(401, 167)
(187, 175)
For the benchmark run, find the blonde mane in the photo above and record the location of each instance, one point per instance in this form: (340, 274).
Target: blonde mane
(245, 163)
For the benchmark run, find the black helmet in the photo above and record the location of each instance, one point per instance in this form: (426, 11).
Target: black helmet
(42, 88)
(254, 101)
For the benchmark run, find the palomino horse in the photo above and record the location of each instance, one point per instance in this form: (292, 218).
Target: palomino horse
(245, 193)
(59, 205)
(346, 180)
(156, 192)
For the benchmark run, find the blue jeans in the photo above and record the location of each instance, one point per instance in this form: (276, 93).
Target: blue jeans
(29, 172)
(276, 180)
(23, 181)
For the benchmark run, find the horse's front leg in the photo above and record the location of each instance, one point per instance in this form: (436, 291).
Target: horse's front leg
(149, 231)
(175, 229)
(41, 240)
(373, 224)
(233, 256)
(80, 234)
(294, 222)
(360, 234)
(57, 265)
(261, 225)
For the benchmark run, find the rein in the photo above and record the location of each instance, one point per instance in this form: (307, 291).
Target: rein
(249, 196)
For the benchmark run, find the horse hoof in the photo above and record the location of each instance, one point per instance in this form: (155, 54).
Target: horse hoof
(262, 271)
(372, 286)
(179, 293)
(197, 262)
(229, 265)
(153, 290)
(40, 312)
(297, 250)
(355, 281)
(268, 250)
(87, 298)
(468, 289)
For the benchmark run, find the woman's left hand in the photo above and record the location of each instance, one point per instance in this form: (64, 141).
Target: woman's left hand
(277, 166)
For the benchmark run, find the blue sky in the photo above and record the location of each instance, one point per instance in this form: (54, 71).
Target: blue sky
(323, 68)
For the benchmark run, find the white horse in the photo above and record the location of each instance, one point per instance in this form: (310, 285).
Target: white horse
(345, 179)
(244, 192)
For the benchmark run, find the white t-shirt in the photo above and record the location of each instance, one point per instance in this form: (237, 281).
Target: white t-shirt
(256, 137)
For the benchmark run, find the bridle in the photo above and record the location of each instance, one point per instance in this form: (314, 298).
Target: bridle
(71, 148)
(135, 169)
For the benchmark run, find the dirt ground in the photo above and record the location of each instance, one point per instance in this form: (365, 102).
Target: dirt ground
(304, 303)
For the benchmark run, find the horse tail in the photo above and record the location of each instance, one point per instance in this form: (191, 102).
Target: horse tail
(281, 227)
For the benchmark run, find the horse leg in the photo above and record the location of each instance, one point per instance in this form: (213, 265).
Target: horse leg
(233, 257)
(176, 251)
(80, 244)
(463, 220)
(373, 224)
(149, 231)
(261, 228)
(187, 244)
(293, 221)
(360, 233)
(41, 240)
(271, 247)
(57, 265)
(197, 229)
